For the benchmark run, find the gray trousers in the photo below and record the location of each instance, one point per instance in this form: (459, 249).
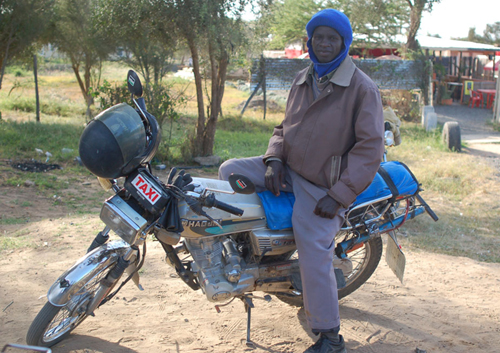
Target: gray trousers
(314, 236)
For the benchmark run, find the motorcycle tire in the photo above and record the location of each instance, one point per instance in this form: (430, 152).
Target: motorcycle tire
(54, 323)
(369, 257)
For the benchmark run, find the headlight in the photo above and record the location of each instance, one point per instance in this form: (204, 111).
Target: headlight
(122, 219)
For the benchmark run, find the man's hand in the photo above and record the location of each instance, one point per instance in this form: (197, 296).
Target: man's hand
(275, 177)
(327, 207)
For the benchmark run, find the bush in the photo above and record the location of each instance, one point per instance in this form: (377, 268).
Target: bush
(406, 104)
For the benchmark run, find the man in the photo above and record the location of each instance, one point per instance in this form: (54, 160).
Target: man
(327, 151)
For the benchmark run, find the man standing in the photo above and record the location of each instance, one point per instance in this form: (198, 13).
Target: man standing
(326, 151)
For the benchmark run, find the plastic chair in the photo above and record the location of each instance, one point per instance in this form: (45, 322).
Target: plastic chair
(491, 99)
(476, 98)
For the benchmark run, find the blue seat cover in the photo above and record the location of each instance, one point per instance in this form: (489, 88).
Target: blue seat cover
(278, 209)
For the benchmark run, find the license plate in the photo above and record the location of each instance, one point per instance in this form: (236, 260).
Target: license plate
(394, 257)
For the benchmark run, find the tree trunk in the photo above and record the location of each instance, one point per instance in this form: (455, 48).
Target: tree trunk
(81, 83)
(219, 71)
(200, 126)
(415, 17)
(3, 61)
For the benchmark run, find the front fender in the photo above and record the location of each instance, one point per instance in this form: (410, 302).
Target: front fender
(76, 277)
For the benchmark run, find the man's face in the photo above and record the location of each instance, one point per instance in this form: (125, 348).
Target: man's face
(326, 43)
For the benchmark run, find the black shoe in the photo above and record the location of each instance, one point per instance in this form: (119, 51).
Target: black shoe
(328, 343)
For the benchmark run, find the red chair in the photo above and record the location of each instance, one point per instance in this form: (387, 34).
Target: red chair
(491, 99)
(476, 98)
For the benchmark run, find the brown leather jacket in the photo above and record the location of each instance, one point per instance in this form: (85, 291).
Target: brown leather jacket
(337, 140)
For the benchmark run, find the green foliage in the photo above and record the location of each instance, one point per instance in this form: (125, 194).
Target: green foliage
(162, 103)
(108, 95)
(378, 20)
(148, 40)
(76, 33)
(491, 35)
(22, 23)
(160, 99)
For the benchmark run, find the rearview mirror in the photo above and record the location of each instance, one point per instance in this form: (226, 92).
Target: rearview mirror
(134, 83)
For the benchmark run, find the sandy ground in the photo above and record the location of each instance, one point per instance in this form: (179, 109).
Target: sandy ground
(447, 304)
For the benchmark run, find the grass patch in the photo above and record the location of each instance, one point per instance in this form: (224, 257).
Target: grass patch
(19, 140)
(12, 221)
(12, 243)
(56, 107)
(460, 188)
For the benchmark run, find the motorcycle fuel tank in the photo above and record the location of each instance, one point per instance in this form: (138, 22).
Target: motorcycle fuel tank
(199, 226)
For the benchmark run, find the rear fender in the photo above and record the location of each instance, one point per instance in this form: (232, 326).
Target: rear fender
(76, 277)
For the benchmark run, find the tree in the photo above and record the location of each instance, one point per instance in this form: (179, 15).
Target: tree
(147, 40)
(212, 31)
(492, 33)
(22, 23)
(373, 21)
(76, 33)
(416, 9)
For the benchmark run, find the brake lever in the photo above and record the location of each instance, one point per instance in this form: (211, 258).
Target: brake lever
(196, 206)
(203, 213)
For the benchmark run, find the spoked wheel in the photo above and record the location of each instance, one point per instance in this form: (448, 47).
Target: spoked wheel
(53, 323)
(364, 259)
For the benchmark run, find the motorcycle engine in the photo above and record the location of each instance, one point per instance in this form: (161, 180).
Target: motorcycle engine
(222, 273)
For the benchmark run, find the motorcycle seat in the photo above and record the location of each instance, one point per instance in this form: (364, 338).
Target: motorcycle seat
(394, 180)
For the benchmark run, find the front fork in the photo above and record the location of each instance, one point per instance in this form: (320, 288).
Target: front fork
(111, 279)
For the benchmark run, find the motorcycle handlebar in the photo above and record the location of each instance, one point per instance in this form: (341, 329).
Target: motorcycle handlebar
(211, 201)
(228, 208)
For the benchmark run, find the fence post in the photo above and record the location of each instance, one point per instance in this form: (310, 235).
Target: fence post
(262, 80)
(35, 72)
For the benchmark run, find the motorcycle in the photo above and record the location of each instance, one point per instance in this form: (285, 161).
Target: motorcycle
(236, 241)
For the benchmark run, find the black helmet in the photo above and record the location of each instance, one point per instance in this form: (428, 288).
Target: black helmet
(117, 141)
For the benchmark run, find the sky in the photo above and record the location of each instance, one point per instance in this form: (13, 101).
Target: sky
(453, 18)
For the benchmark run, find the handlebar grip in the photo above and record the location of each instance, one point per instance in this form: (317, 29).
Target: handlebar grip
(427, 208)
(228, 208)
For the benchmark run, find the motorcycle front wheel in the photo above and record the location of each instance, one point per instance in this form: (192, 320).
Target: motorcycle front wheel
(54, 323)
(365, 260)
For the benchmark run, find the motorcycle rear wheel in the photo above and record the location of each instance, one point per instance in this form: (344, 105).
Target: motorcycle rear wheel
(365, 260)
(54, 324)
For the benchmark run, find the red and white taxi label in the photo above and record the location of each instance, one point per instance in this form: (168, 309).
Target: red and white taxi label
(145, 189)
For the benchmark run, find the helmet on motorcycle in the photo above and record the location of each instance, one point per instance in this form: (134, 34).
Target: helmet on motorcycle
(117, 141)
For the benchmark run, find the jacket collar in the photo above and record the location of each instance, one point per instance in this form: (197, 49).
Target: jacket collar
(341, 77)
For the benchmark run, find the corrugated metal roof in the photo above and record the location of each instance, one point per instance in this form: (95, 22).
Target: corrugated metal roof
(433, 43)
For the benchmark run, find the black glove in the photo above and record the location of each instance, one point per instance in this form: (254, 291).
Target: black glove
(327, 207)
(275, 177)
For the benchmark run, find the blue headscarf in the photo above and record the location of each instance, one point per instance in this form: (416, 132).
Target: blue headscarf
(339, 22)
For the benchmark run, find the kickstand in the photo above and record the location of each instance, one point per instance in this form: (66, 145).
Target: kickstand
(247, 301)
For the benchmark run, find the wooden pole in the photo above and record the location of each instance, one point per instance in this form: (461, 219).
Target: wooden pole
(36, 89)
